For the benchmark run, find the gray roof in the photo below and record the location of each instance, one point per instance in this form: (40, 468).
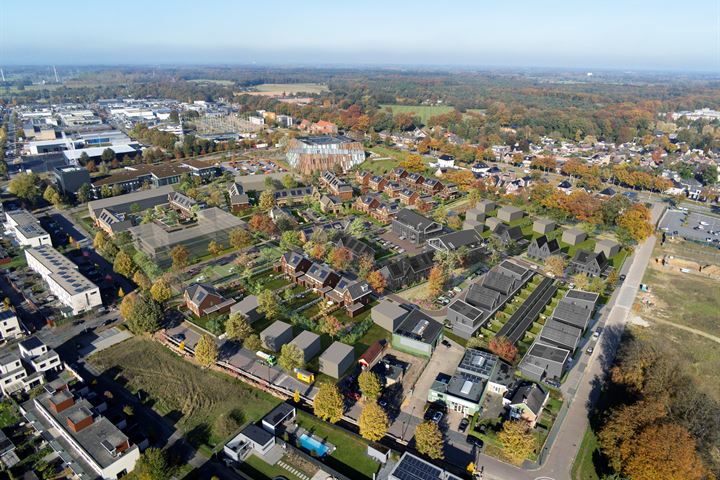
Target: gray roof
(305, 339)
(455, 240)
(420, 326)
(336, 353)
(390, 308)
(130, 198)
(548, 352)
(482, 297)
(64, 272)
(257, 434)
(532, 395)
(465, 309)
(277, 329)
(559, 333)
(246, 305)
(413, 219)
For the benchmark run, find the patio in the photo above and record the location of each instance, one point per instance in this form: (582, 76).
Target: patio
(312, 442)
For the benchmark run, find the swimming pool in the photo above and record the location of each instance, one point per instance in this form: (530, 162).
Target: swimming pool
(309, 443)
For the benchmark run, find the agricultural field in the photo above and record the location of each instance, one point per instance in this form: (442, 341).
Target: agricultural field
(191, 398)
(422, 111)
(271, 89)
(211, 81)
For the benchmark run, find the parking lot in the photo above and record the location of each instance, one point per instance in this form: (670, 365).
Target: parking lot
(399, 245)
(692, 226)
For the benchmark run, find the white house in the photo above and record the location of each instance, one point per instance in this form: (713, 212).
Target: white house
(9, 325)
(38, 355)
(26, 228)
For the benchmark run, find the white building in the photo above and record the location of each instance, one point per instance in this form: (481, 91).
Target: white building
(26, 228)
(63, 278)
(13, 376)
(9, 325)
(38, 355)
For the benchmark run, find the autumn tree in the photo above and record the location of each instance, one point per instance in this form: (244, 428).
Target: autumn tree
(290, 240)
(141, 314)
(436, 281)
(240, 238)
(377, 281)
(51, 195)
(161, 291)
(365, 265)
(429, 440)
(180, 256)
(503, 348)
(373, 422)
(330, 325)
(206, 351)
(636, 222)
(370, 385)
(413, 163)
(124, 264)
(252, 342)
(340, 258)
(141, 280)
(25, 186)
(555, 264)
(237, 327)
(581, 281)
(517, 442)
(328, 403)
(664, 451)
(269, 304)
(267, 200)
(291, 357)
(214, 248)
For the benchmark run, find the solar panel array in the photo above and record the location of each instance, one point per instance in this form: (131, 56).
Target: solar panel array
(412, 468)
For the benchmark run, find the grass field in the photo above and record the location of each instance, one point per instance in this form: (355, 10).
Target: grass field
(422, 111)
(188, 396)
(209, 80)
(290, 88)
(583, 468)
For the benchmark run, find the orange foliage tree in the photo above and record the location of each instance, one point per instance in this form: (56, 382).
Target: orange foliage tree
(503, 348)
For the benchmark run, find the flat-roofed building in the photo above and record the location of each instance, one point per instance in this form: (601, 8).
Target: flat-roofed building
(41, 358)
(417, 334)
(544, 362)
(63, 279)
(9, 324)
(26, 228)
(112, 222)
(70, 178)
(139, 201)
(337, 359)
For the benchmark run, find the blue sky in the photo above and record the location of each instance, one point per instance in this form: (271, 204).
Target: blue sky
(626, 34)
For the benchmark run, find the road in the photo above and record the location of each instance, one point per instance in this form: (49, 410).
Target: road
(584, 381)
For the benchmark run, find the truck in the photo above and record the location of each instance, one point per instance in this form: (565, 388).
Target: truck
(269, 359)
(304, 375)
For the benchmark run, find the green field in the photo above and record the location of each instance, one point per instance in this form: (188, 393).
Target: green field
(291, 88)
(209, 80)
(422, 111)
(188, 396)
(583, 468)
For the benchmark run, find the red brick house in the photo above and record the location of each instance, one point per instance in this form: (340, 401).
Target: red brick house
(203, 299)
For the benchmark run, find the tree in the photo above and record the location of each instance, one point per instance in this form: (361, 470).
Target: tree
(503, 348)
(84, 193)
(581, 281)
(52, 196)
(330, 325)
(108, 155)
(180, 256)
(413, 163)
(636, 222)
(237, 327)
(377, 281)
(517, 442)
(25, 186)
(357, 227)
(555, 264)
(153, 465)
(141, 314)
(269, 304)
(141, 280)
(340, 258)
(296, 396)
(240, 238)
(373, 422)
(214, 248)
(124, 264)
(429, 440)
(665, 451)
(370, 385)
(365, 265)
(226, 424)
(252, 342)
(328, 403)
(267, 200)
(291, 357)
(289, 240)
(206, 351)
(436, 281)
(288, 181)
(161, 291)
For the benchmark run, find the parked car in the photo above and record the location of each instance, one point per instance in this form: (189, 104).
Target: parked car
(463, 425)
(590, 350)
(553, 383)
(437, 417)
(446, 343)
(472, 440)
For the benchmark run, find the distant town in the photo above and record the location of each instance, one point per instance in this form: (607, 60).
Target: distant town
(315, 280)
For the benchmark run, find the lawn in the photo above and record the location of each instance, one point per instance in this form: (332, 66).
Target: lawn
(378, 167)
(374, 333)
(259, 470)
(8, 414)
(584, 468)
(188, 396)
(422, 111)
(349, 457)
(587, 244)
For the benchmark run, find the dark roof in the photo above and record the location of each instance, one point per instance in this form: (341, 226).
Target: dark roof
(586, 257)
(560, 333)
(548, 352)
(278, 414)
(422, 261)
(454, 240)
(257, 434)
(513, 233)
(465, 309)
(32, 343)
(420, 326)
(499, 282)
(553, 245)
(357, 247)
(198, 291)
(581, 295)
(532, 395)
(413, 219)
(482, 297)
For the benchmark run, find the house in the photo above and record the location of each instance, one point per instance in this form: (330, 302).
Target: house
(485, 206)
(408, 270)
(432, 186)
(492, 222)
(418, 334)
(239, 200)
(248, 308)
(446, 161)
(337, 187)
(371, 355)
(354, 295)
(374, 206)
(526, 403)
(465, 318)
(252, 439)
(112, 222)
(608, 247)
(412, 226)
(13, 376)
(560, 334)
(276, 335)
(507, 234)
(565, 187)
(9, 325)
(26, 228)
(510, 214)
(408, 197)
(291, 196)
(588, 262)
(573, 236)
(607, 193)
(473, 218)
(273, 421)
(399, 174)
(544, 362)
(358, 248)
(411, 467)
(41, 358)
(377, 183)
(541, 248)
(323, 127)
(182, 203)
(308, 343)
(462, 240)
(414, 180)
(203, 299)
(330, 204)
(319, 276)
(388, 314)
(362, 177)
(543, 226)
(576, 308)
(393, 189)
(337, 359)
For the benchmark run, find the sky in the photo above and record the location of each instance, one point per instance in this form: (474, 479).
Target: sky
(602, 34)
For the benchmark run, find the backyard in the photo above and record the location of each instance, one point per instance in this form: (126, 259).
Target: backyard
(191, 398)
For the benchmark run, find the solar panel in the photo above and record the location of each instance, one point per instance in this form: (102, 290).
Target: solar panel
(411, 468)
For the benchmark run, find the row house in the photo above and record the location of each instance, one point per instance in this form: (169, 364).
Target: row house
(408, 197)
(377, 183)
(337, 187)
(363, 178)
(181, 203)
(381, 211)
